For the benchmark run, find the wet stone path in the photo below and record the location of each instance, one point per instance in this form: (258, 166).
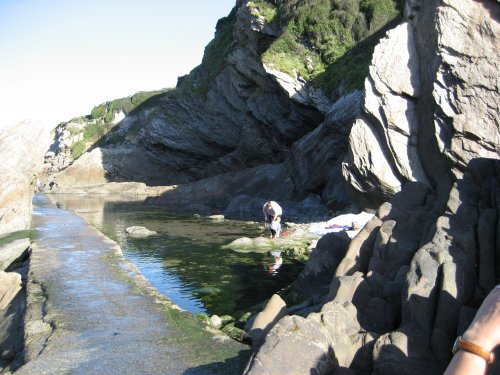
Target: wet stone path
(88, 314)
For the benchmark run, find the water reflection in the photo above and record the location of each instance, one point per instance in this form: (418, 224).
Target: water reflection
(185, 260)
(278, 262)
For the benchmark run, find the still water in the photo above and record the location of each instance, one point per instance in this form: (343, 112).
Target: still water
(185, 261)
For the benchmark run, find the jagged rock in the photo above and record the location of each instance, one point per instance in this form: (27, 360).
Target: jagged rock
(265, 320)
(190, 136)
(59, 155)
(283, 351)
(296, 345)
(409, 277)
(315, 278)
(367, 169)
(389, 124)
(466, 125)
(456, 99)
(395, 351)
(430, 114)
(360, 250)
(315, 159)
(300, 91)
(10, 285)
(12, 251)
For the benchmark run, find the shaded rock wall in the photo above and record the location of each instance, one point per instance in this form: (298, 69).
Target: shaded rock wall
(399, 297)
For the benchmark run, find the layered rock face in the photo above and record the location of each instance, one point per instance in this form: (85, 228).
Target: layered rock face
(431, 100)
(21, 151)
(247, 116)
(394, 298)
(242, 119)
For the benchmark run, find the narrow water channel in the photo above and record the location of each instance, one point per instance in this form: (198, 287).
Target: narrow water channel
(185, 261)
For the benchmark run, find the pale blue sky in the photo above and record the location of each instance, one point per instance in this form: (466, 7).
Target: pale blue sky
(59, 58)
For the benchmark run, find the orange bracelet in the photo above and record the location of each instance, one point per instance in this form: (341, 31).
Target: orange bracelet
(462, 344)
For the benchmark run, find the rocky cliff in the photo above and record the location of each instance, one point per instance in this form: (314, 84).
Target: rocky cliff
(431, 100)
(427, 139)
(419, 144)
(22, 149)
(228, 120)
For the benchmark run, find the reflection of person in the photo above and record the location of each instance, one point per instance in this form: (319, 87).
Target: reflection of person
(278, 261)
(473, 350)
(272, 212)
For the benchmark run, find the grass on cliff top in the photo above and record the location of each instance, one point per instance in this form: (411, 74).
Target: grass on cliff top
(100, 121)
(327, 42)
(106, 110)
(322, 40)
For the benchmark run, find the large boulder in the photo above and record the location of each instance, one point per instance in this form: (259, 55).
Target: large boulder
(317, 275)
(265, 320)
(321, 343)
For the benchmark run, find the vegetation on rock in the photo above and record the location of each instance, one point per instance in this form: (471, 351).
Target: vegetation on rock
(317, 34)
(101, 119)
(13, 236)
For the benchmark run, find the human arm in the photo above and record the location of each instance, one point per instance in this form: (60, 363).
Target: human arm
(277, 210)
(483, 331)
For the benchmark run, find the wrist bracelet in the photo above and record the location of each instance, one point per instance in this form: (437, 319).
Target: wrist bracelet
(462, 344)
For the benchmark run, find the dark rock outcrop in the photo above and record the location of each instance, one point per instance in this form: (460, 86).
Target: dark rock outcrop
(13, 272)
(422, 272)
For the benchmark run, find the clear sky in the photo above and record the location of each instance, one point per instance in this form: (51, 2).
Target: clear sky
(59, 58)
